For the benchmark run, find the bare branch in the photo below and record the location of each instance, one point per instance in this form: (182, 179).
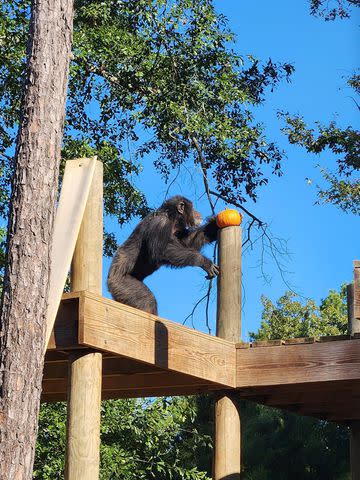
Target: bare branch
(236, 204)
(204, 171)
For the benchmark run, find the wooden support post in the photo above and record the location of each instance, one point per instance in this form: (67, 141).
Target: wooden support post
(226, 463)
(84, 389)
(353, 294)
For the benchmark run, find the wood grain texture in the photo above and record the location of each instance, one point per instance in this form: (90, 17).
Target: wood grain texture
(86, 266)
(123, 378)
(141, 383)
(75, 189)
(227, 440)
(228, 324)
(83, 425)
(64, 335)
(291, 364)
(337, 401)
(82, 460)
(357, 293)
(227, 434)
(110, 326)
(353, 292)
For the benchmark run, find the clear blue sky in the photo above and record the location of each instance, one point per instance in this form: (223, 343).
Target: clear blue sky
(322, 240)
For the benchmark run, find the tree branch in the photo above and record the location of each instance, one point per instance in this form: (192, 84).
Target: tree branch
(236, 204)
(194, 141)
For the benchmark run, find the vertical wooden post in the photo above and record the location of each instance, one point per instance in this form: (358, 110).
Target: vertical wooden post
(226, 464)
(353, 296)
(84, 389)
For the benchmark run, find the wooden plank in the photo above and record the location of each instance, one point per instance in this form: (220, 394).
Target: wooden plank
(73, 197)
(111, 366)
(334, 338)
(309, 398)
(291, 364)
(332, 388)
(140, 393)
(267, 343)
(330, 411)
(137, 381)
(157, 383)
(65, 332)
(110, 326)
(299, 340)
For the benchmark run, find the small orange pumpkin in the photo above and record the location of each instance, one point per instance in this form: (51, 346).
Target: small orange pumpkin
(228, 218)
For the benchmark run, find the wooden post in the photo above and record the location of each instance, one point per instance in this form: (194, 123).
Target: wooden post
(226, 464)
(84, 389)
(353, 294)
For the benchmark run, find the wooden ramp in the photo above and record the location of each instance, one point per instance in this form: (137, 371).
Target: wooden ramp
(145, 355)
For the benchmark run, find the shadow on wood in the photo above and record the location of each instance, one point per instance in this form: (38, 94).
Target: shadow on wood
(161, 345)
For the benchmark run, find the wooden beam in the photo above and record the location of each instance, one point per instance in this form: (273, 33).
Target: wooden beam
(138, 393)
(65, 332)
(334, 389)
(357, 289)
(140, 384)
(83, 422)
(227, 433)
(112, 327)
(84, 389)
(304, 363)
(353, 305)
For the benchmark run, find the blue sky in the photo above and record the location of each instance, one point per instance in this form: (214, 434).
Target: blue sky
(322, 240)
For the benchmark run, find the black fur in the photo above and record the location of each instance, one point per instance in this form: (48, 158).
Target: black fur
(167, 236)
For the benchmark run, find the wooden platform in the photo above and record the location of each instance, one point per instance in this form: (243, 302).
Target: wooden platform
(145, 355)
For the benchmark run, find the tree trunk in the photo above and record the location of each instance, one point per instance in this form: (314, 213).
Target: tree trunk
(34, 190)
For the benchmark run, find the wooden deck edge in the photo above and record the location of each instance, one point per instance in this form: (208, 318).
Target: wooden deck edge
(292, 364)
(111, 327)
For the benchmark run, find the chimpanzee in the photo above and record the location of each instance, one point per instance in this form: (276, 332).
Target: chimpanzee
(172, 236)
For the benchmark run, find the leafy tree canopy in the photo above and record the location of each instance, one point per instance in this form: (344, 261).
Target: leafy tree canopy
(170, 439)
(301, 448)
(151, 76)
(140, 439)
(290, 317)
(342, 186)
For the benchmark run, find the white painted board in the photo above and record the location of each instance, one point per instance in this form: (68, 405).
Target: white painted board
(75, 189)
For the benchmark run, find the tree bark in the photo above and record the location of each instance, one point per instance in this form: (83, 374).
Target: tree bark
(34, 190)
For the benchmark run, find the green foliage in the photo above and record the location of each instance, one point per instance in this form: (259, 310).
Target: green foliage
(330, 10)
(279, 445)
(168, 68)
(291, 318)
(151, 76)
(140, 439)
(170, 438)
(50, 447)
(343, 188)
